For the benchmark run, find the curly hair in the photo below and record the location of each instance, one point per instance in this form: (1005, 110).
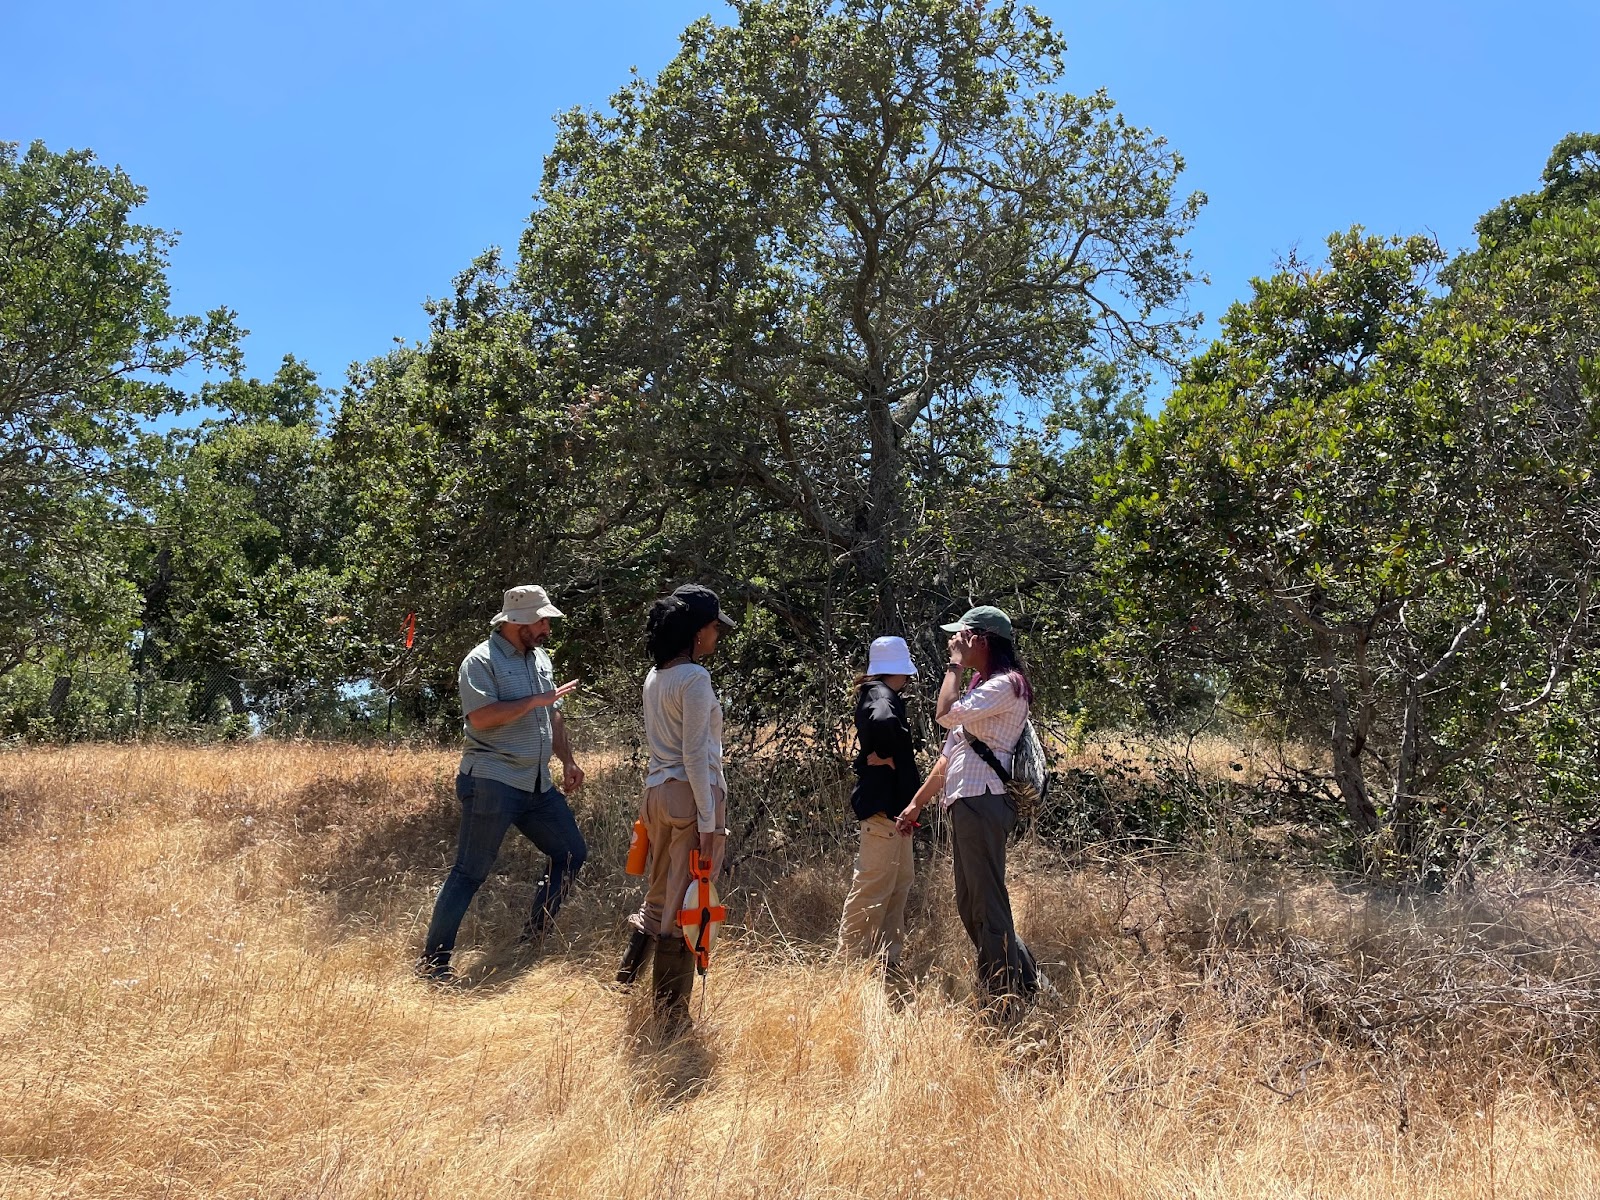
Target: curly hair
(670, 628)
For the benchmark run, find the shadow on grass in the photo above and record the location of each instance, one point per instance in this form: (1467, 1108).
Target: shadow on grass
(666, 1068)
(377, 853)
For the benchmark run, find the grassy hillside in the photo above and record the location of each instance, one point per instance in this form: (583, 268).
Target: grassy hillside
(207, 993)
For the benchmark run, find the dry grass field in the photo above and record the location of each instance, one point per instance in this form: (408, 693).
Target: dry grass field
(207, 993)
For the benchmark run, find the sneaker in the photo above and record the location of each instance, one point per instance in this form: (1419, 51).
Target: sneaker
(435, 971)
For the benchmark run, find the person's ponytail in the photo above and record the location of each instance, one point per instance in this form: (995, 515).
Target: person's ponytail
(669, 630)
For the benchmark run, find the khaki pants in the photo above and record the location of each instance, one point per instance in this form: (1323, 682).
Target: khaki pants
(874, 919)
(669, 815)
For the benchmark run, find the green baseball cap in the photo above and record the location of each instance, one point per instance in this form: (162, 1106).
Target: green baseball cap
(986, 618)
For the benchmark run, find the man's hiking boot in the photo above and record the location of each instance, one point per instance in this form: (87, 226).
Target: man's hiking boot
(898, 985)
(536, 931)
(639, 947)
(436, 971)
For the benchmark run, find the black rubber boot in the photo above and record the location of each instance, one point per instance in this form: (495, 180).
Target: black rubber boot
(640, 944)
(672, 981)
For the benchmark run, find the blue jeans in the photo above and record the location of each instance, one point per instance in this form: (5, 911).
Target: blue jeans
(488, 809)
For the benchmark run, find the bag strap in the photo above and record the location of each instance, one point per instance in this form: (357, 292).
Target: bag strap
(988, 756)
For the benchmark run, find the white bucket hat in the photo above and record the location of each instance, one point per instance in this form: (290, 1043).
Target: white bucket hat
(524, 605)
(890, 656)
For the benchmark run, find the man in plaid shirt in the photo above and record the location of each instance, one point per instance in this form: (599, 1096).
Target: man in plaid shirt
(993, 708)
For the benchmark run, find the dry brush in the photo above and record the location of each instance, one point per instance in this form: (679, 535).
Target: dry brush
(209, 994)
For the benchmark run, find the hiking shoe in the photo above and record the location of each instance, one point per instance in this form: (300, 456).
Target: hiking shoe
(435, 972)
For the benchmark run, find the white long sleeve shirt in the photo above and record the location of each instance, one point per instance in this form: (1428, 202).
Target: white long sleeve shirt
(683, 724)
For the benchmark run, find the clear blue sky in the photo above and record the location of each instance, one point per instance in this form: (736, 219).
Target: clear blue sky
(331, 165)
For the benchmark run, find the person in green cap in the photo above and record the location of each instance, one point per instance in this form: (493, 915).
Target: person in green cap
(991, 710)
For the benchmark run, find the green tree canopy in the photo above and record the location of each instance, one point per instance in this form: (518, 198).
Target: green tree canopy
(1369, 512)
(1571, 181)
(88, 349)
(773, 321)
(248, 592)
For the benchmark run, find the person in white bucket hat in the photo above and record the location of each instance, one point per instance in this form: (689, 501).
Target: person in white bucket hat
(874, 920)
(512, 725)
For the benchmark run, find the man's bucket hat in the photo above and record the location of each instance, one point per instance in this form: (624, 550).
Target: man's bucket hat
(524, 605)
(986, 618)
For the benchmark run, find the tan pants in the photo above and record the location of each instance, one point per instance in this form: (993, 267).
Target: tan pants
(874, 919)
(669, 814)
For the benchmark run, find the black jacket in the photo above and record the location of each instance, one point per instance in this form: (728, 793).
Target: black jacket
(882, 728)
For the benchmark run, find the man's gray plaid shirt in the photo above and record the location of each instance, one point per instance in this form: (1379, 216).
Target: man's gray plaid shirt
(518, 752)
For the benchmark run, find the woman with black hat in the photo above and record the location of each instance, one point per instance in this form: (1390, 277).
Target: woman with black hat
(685, 799)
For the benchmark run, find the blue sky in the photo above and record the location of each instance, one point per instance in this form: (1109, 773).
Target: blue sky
(331, 165)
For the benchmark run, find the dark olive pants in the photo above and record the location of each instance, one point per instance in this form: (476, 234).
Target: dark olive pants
(979, 826)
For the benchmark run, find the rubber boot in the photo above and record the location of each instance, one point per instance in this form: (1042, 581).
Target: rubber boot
(898, 985)
(639, 946)
(672, 980)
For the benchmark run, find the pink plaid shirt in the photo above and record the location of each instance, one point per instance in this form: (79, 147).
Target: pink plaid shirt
(994, 712)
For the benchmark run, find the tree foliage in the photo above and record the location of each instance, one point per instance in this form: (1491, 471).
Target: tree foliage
(774, 322)
(1368, 513)
(88, 349)
(246, 587)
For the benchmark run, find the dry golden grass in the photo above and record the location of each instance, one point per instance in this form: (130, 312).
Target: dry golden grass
(207, 993)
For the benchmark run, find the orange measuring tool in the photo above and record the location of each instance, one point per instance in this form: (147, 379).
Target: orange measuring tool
(701, 916)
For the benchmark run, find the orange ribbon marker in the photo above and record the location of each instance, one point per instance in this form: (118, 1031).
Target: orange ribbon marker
(701, 915)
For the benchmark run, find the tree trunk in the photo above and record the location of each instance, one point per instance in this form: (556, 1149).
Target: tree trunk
(1403, 816)
(884, 515)
(58, 696)
(1345, 743)
(1352, 784)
